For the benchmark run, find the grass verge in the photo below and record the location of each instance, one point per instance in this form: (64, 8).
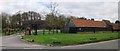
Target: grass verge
(70, 39)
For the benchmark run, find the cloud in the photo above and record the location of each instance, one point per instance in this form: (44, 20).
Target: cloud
(75, 0)
(14, 6)
(97, 10)
(90, 9)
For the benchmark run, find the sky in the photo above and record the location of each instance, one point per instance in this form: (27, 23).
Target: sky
(97, 9)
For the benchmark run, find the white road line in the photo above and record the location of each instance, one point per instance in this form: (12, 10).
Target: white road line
(32, 48)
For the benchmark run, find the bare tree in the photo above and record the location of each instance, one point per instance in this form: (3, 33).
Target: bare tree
(53, 8)
(32, 16)
(5, 23)
(61, 22)
(51, 17)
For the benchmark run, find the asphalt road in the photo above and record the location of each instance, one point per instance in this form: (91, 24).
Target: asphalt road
(13, 42)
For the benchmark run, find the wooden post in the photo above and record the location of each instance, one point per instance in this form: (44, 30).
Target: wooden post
(28, 31)
(112, 30)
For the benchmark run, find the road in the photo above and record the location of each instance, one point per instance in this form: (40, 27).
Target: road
(13, 42)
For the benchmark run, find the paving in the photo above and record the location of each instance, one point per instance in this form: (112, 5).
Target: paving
(14, 42)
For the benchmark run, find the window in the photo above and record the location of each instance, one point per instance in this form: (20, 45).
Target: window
(79, 28)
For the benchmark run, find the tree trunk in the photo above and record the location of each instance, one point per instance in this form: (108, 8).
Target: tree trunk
(29, 31)
(49, 31)
(53, 30)
(35, 27)
(9, 31)
(56, 30)
(43, 31)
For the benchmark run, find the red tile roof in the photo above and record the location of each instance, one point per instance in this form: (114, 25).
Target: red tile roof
(88, 23)
(107, 22)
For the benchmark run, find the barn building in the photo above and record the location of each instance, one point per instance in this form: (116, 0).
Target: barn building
(80, 25)
(114, 26)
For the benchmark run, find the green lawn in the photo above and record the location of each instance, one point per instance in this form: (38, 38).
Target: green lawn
(71, 39)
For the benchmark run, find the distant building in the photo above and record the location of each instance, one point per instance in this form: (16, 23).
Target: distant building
(114, 26)
(39, 24)
(80, 25)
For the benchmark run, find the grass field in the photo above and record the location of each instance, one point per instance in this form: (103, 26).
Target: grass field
(71, 39)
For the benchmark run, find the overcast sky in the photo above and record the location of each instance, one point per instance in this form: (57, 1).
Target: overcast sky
(97, 9)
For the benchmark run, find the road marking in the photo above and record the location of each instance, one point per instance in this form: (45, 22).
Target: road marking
(32, 48)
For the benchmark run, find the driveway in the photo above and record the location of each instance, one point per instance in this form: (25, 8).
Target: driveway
(13, 42)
